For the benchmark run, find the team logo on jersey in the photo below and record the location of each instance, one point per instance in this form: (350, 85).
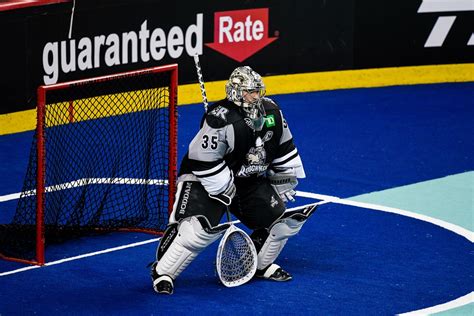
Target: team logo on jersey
(273, 201)
(257, 154)
(220, 112)
(256, 157)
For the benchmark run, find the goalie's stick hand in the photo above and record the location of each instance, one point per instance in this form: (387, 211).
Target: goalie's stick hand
(226, 196)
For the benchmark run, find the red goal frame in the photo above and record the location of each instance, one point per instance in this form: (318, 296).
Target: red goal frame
(41, 103)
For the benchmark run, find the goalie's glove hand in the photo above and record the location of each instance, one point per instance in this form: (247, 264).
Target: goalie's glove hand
(288, 196)
(284, 185)
(226, 196)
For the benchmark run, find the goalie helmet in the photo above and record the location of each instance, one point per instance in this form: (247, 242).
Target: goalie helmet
(246, 89)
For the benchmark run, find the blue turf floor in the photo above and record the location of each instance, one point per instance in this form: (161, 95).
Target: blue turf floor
(346, 260)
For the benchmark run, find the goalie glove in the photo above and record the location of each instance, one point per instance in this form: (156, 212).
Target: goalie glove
(226, 196)
(284, 185)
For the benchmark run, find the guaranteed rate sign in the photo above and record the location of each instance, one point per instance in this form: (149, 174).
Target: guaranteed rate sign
(115, 49)
(240, 34)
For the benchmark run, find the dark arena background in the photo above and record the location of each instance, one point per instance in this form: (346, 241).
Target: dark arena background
(379, 97)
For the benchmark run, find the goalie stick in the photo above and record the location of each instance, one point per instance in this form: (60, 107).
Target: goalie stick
(303, 211)
(236, 258)
(201, 82)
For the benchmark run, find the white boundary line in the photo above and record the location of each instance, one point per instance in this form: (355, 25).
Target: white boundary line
(461, 301)
(469, 235)
(52, 263)
(325, 199)
(85, 181)
(9, 197)
(91, 254)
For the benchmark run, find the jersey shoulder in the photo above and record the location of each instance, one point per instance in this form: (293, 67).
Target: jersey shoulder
(270, 105)
(222, 113)
(272, 109)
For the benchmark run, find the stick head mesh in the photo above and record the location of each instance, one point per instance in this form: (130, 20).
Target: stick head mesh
(236, 260)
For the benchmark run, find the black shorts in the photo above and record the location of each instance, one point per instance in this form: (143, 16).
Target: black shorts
(256, 204)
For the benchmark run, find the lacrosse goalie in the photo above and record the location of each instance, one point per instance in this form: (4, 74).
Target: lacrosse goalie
(243, 157)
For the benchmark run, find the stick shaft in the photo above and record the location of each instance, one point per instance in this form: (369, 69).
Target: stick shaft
(229, 218)
(201, 82)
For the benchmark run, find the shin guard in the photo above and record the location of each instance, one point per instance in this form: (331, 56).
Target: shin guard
(285, 227)
(192, 235)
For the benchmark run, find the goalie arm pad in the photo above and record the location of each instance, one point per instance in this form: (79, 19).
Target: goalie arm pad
(206, 155)
(288, 159)
(289, 163)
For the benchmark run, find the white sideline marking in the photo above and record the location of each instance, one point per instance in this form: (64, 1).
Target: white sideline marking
(469, 235)
(8, 197)
(83, 182)
(324, 200)
(52, 263)
(461, 301)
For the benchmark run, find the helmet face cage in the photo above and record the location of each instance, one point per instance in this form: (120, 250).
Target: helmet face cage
(243, 81)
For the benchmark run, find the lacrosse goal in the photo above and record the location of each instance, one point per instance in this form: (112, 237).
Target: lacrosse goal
(103, 159)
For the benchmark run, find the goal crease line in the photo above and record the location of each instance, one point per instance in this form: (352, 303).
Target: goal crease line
(324, 199)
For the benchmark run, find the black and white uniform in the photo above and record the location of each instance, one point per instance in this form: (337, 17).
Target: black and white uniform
(227, 149)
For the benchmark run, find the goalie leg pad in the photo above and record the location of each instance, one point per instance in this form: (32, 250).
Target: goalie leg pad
(282, 229)
(192, 236)
(276, 240)
(170, 234)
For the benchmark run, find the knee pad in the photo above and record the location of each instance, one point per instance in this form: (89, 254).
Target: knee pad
(183, 242)
(282, 229)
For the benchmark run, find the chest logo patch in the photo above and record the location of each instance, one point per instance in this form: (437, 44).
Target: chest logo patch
(256, 157)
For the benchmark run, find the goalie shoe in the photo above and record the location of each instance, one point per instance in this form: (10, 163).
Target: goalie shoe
(274, 272)
(162, 284)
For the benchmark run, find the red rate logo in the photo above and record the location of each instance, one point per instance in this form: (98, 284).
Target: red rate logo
(240, 34)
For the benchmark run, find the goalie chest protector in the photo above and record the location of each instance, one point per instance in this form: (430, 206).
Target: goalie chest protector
(253, 150)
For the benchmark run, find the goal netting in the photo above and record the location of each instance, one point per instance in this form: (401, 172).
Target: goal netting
(103, 159)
